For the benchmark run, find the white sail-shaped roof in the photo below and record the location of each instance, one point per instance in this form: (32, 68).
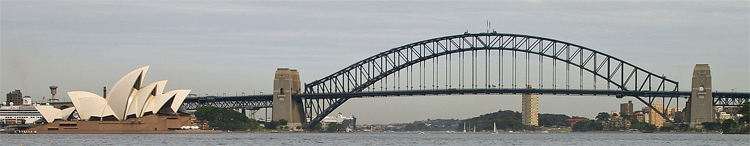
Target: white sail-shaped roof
(139, 101)
(131, 106)
(121, 94)
(161, 100)
(66, 113)
(90, 105)
(179, 97)
(125, 98)
(147, 105)
(51, 113)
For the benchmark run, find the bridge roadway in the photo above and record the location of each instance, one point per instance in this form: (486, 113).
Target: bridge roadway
(255, 102)
(252, 102)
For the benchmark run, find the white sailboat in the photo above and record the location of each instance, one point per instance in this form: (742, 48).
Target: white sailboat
(464, 127)
(494, 127)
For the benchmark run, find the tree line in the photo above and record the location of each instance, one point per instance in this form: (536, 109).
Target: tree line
(508, 120)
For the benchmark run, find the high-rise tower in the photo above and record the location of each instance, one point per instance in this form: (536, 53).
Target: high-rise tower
(530, 108)
(655, 118)
(15, 97)
(626, 109)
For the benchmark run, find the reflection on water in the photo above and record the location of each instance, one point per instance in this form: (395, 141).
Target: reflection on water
(378, 139)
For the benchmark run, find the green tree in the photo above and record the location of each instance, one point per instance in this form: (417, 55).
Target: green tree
(684, 127)
(678, 119)
(550, 120)
(596, 127)
(649, 128)
(317, 126)
(587, 125)
(225, 119)
(283, 121)
(666, 128)
(711, 126)
(332, 127)
(276, 124)
(272, 125)
(506, 120)
(602, 116)
(745, 111)
(635, 124)
(727, 125)
(581, 126)
(418, 126)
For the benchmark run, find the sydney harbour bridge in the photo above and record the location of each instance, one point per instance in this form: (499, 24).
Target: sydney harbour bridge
(471, 64)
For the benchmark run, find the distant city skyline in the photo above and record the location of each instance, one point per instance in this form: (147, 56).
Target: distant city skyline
(219, 48)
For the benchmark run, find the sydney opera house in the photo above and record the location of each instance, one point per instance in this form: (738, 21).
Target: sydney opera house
(129, 107)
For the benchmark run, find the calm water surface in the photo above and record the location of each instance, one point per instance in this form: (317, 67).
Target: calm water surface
(377, 139)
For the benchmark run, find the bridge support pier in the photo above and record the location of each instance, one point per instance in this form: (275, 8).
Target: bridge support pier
(699, 108)
(285, 84)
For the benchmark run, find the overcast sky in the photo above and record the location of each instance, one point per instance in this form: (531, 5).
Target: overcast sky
(234, 47)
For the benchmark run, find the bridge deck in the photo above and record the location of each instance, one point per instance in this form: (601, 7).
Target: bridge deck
(265, 101)
(230, 98)
(496, 91)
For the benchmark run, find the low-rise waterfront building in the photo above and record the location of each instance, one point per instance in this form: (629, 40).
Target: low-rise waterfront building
(640, 117)
(349, 122)
(572, 122)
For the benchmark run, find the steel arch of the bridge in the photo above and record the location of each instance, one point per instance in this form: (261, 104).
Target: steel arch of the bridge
(361, 75)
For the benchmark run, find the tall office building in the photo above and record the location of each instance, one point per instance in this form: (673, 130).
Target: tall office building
(530, 108)
(626, 109)
(14, 96)
(654, 118)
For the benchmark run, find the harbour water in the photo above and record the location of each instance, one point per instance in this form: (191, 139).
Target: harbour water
(404, 138)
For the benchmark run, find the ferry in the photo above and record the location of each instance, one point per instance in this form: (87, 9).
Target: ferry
(23, 114)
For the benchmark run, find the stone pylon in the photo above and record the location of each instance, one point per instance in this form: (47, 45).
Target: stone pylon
(699, 108)
(285, 84)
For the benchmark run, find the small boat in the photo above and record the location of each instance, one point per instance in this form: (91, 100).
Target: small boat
(494, 127)
(464, 127)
